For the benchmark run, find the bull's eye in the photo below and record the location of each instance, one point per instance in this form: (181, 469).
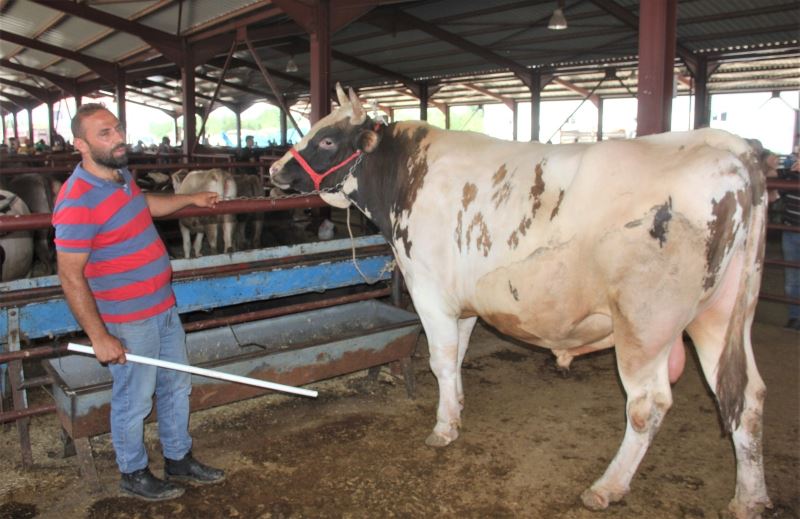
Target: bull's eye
(327, 144)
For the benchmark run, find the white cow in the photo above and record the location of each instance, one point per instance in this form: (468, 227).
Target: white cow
(220, 182)
(575, 248)
(16, 248)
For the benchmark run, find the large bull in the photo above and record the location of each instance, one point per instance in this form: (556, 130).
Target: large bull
(16, 248)
(575, 248)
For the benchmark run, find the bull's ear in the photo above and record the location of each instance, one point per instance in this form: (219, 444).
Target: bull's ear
(368, 140)
(340, 95)
(358, 112)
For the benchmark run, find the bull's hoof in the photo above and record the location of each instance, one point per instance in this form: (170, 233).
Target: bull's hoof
(596, 499)
(737, 510)
(435, 440)
(593, 500)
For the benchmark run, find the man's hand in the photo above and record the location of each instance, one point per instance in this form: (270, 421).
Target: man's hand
(109, 350)
(205, 199)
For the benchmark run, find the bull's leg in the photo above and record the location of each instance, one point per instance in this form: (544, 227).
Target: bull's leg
(186, 239)
(198, 245)
(228, 227)
(442, 333)
(42, 247)
(643, 370)
(258, 228)
(708, 333)
(465, 327)
(211, 233)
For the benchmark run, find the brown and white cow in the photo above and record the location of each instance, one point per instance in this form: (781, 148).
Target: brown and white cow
(220, 182)
(575, 248)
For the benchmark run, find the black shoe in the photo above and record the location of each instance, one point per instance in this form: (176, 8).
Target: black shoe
(144, 485)
(189, 469)
(793, 324)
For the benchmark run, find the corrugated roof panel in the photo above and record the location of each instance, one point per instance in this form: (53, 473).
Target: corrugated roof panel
(125, 9)
(27, 18)
(71, 33)
(195, 13)
(68, 68)
(115, 46)
(33, 58)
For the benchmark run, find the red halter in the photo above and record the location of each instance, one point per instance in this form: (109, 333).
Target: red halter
(317, 177)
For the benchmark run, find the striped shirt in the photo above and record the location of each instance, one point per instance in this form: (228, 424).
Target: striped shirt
(128, 270)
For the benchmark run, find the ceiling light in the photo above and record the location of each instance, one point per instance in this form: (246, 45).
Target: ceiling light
(291, 66)
(558, 21)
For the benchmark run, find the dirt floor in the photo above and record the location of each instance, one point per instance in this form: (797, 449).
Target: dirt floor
(532, 442)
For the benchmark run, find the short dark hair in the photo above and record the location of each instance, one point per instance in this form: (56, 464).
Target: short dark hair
(83, 112)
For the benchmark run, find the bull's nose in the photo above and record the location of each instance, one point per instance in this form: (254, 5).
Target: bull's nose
(274, 168)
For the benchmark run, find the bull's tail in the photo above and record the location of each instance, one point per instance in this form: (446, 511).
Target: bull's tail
(732, 378)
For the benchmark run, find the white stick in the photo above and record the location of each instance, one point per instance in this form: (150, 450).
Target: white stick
(202, 372)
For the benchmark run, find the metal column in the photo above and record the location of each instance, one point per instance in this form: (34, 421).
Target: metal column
(321, 62)
(657, 25)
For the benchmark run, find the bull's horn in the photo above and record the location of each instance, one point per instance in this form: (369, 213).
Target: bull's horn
(340, 94)
(355, 102)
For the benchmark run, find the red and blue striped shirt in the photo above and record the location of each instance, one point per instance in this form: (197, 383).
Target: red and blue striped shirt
(128, 270)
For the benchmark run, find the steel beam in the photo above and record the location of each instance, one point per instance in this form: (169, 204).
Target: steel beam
(102, 68)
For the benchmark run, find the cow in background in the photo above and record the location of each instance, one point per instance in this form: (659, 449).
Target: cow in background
(220, 182)
(249, 186)
(16, 248)
(575, 248)
(38, 191)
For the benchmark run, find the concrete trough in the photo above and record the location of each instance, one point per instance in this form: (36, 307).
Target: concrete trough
(293, 349)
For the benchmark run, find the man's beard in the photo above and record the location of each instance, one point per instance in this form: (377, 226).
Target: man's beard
(109, 160)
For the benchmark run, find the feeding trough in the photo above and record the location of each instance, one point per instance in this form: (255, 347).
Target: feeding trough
(293, 349)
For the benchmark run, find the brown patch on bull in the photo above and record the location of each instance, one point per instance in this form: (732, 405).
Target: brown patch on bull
(502, 195)
(418, 166)
(756, 164)
(661, 222)
(469, 193)
(720, 238)
(732, 370)
(513, 290)
(554, 213)
(483, 240)
(522, 228)
(499, 175)
(513, 240)
(537, 189)
(459, 228)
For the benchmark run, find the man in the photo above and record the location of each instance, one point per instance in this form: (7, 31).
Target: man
(115, 273)
(790, 244)
(249, 154)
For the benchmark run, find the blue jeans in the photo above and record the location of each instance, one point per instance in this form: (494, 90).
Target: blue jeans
(791, 286)
(161, 337)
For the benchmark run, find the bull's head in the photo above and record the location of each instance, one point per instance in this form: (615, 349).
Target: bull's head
(324, 157)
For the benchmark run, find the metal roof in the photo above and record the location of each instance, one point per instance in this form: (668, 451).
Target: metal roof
(469, 51)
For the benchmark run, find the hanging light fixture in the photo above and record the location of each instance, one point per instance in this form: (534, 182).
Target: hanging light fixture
(291, 66)
(558, 21)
